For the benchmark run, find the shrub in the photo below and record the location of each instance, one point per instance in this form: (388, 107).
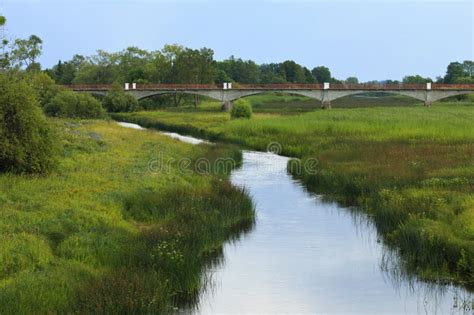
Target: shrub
(241, 110)
(74, 105)
(44, 86)
(27, 144)
(117, 100)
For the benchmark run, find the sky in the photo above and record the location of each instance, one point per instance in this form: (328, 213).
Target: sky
(372, 40)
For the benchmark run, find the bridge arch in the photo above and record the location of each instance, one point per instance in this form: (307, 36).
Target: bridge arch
(140, 95)
(314, 94)
(424, 96)
(97, 93)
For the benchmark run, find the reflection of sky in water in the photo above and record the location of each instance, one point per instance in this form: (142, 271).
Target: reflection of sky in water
(309, 256)
(173, 135)
(305, 255)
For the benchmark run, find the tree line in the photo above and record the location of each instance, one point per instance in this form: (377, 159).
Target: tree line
(178, 64)
(27, 138)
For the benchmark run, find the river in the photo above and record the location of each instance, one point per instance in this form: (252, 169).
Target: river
(305, 255)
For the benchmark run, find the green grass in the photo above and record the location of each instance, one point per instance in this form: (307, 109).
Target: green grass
(104, 233)
(410, 168)
(290, 104)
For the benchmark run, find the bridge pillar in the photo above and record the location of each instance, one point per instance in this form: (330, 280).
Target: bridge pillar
(429, 98)
(226, 106)
(326, 104)
(326, 100)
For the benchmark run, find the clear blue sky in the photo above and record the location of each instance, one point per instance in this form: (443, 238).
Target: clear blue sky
(368, 39)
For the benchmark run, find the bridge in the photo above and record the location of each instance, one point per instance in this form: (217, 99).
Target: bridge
(226, 93)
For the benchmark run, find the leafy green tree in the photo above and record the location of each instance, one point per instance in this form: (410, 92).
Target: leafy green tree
(117, 100)
(270, 73)
(352, 80)
(131, 64)
(321, 74)
(44, 86)
(415, 79)
(74, 105)
(293, 72)
(240, 71)
(4, 56)
(27, 141)
(468, 67)
(65, 72)
(455, 70)
(26, 51)
(464, 80)
(308, 76)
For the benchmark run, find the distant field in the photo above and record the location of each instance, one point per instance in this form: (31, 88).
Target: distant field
(294, 104)
(410, 168)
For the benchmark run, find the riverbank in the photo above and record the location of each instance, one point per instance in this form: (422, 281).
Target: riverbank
(119, 226)
(411, 169)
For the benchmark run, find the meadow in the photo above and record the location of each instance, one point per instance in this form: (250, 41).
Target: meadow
(410, 168)
(107, 233)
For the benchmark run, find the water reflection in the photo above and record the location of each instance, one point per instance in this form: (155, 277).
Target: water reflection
(309, 256)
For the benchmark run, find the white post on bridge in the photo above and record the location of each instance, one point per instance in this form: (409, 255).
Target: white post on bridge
(134, 86)
(326, 100)
(428, 95)
(127, 86)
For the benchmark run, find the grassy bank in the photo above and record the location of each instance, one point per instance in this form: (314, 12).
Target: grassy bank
(410, 168)
(118, 227)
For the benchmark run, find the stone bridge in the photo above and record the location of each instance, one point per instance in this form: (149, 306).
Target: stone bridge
(227, 93)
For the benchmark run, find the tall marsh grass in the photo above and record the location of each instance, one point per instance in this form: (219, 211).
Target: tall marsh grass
(103, 234)
(410, 168)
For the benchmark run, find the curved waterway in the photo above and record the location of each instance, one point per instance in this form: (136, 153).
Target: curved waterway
(305, 255)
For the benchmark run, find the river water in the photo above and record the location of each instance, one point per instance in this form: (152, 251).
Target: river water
(305, 255)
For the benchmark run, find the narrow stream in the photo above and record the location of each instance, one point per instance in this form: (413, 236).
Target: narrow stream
(309, 256)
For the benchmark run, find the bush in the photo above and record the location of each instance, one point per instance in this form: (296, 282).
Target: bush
(44, 86)
(117, 100)
(241, 110)
(26, 139)
(74, 105)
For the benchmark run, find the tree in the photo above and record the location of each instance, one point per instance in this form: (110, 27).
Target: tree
(27, 141)
(65, 72)
(455, 70)
(74, 105)
(352, 80)
(45, 87)
(240, 71)
(321, 74)
(26, 51)
(464, 80)
(270, 73)
(468, 67)
(293, 72)
(308, 76)
(117, 100)
(4, 57)
(415, 79)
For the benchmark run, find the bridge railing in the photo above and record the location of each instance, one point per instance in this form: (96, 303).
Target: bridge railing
(179, 86)
(269, 87)
(442, 86)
